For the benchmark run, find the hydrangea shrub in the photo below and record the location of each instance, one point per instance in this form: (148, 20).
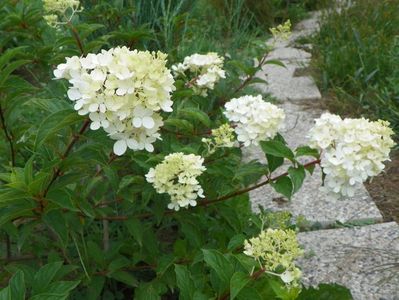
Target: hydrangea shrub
(122, 174)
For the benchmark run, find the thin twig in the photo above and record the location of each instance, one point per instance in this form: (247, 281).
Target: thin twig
(57, 171)
(76, 37)
(8, 135)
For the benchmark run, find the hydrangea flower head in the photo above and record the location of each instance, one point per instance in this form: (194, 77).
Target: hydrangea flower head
(177, 176)
(352, 151)
(223, 136)
(255, 119)
(282, 31)
(123, 92)
(276, 248)
(203, 70)
(55, 9)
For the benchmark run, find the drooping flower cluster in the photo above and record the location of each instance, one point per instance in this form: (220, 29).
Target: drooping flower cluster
(275, 249)
(221, 137)
(59, 11)
(177, 176)
(202, 70)
(282, 31)
(352, 150)
(255, 119)
(123, 92)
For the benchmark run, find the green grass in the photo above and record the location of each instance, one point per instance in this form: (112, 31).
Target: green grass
(357, 53)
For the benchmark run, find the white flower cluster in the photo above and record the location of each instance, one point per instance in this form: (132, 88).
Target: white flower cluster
(205, 70)
(352, 150)
(59, 8)
(221, 137)
(274, 249)
(255, 119)
(123, 92)
(177, 176)
(282, 31)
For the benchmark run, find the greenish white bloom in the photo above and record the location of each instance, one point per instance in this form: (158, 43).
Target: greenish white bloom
(275, 249)
(202, 70)
(122, 91)
(177, 176)
(352, 150)
(255, 119)
(220, 137)
(60, 11)
(282, 31)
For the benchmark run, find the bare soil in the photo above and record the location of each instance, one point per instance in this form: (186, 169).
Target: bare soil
(384, 189)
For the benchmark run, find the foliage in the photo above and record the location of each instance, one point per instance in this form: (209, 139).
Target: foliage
(357, 58)
(79, 222)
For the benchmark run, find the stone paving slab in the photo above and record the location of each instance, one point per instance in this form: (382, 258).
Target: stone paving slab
(284, 86)
(364, 259)
(289, 53)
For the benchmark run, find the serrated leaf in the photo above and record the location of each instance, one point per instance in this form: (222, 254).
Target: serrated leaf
(184, 282)
(284, 186)
(124, 277)
(44, 276)
(16, 288)
(277, 148)
(237, 282)
(297, 176)
(55, 122)
(274, 162)
(195, 114)
(136, 229)
(275, 62)
(220, 264)
(306, 151)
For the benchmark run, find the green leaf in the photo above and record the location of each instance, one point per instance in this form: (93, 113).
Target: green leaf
(277, 148)
(149, 291)
(5, 73)
(325, 292)
(55, 122)
(274, 162)
(219, 263)
(275, 62)
(195, 114)
(125, 277)
(16, 288)
(284, 186)
(62, 198)
(306, 151)
(237, 282)
(56, 291)
(44, 276)
(135, 229)
(179, 124)
(184, 282)
(297, 176)
(236, 241)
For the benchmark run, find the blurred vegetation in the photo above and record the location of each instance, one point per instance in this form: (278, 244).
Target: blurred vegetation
(357, 52)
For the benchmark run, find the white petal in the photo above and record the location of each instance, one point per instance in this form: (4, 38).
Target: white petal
(120, 147)
(149, 147)
(137, 122)
(93, 107)
(148, 122)
(132, 144)
(94, 125)
(74, 94)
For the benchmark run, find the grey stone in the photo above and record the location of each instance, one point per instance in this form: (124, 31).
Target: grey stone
(289, 53)
(364, 259)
